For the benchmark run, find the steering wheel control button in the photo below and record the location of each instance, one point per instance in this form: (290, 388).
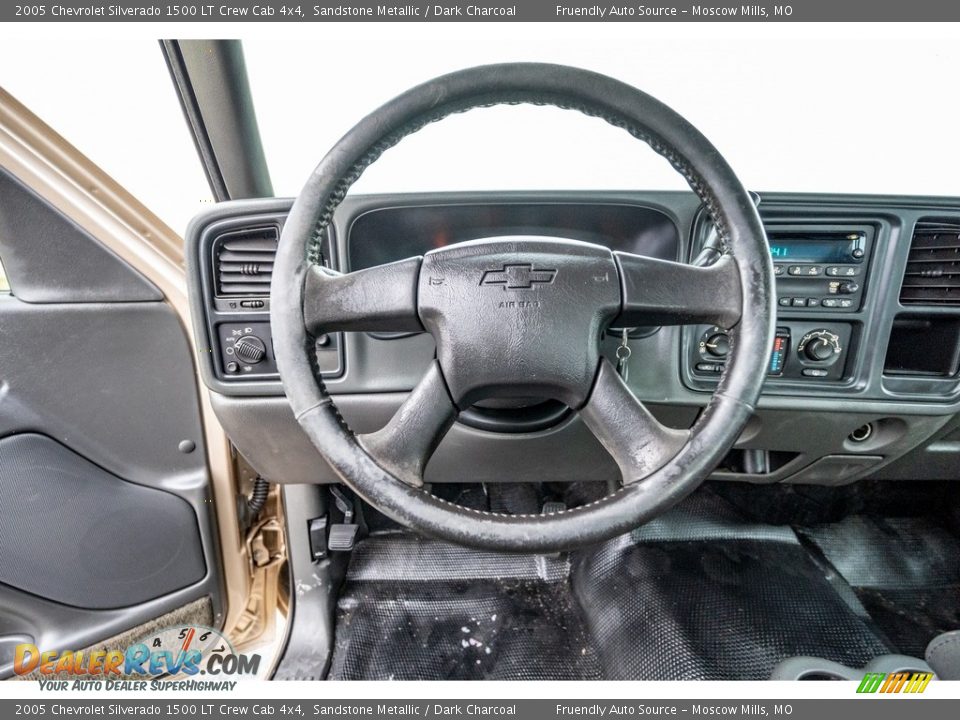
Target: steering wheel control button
(250, 349)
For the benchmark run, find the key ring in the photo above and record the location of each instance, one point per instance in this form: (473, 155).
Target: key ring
(623, 354)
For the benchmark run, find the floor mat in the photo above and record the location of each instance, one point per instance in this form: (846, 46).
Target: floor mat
(728, 610)
(698, 594)
(466, 630)
(905, 572)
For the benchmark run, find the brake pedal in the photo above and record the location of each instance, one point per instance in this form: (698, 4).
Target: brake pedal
(342, 537)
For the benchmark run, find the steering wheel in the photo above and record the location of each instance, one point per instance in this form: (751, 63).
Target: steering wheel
(522, 317)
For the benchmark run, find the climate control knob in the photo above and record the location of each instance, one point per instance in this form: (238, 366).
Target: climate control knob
(718, 345)
(819, 346)
(250, 349)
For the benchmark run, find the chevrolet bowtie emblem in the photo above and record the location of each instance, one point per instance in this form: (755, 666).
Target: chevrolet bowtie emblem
(521, 276)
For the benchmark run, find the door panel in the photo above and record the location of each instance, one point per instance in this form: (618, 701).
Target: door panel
(106, 519)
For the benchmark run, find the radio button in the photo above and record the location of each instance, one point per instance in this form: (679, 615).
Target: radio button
(829, 302)
(785, 301)
(779, 269)
(805, 270)
(843, 271)
(813, 302)
(845, 303)
(799, 302)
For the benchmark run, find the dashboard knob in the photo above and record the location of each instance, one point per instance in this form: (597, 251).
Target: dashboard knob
(819, 346)
(718, 345)
(250, 349)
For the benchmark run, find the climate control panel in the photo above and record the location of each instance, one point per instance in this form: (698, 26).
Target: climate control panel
(800, 350)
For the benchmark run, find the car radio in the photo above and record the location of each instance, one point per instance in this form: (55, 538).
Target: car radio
(822, 270)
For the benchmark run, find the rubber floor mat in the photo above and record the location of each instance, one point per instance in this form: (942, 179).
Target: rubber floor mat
(465, 630)
(728, 610)
(653, 605)
(905, 571)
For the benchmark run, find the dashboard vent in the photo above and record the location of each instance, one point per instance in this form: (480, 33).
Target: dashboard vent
(244, 261)
(933, 267)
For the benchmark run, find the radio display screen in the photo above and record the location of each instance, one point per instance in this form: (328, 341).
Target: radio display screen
(830, 249)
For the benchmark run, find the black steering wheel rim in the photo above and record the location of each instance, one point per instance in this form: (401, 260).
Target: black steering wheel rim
(708, 174)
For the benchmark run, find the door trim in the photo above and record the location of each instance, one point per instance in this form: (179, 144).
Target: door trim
(65, 178)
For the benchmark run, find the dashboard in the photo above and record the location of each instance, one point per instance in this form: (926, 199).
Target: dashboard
(863, 377)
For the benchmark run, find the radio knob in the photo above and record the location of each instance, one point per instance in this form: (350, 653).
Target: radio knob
(250, 349)
(819, 346)
(718, 345)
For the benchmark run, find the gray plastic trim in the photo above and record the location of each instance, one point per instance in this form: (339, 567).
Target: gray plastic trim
(50, 259)
(266, 433)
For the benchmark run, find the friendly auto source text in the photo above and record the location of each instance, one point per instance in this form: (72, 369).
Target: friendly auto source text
(638, 11)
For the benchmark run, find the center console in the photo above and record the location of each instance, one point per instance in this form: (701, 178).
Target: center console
(821, 275)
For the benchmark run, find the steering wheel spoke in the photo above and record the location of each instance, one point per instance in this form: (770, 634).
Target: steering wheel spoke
(661, 292)
(638, 442)
(405, 445)
(381, 298)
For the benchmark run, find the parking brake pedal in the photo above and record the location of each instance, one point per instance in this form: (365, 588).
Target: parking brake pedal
(343, 535)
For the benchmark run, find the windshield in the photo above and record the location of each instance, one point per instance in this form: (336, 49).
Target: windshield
(803, 108)
(789, 113)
